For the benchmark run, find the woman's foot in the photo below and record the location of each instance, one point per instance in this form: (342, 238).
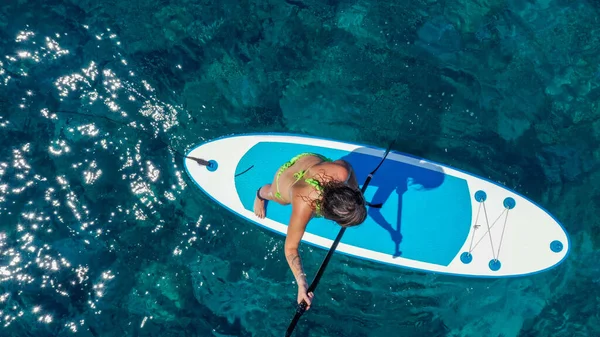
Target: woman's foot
(259, 204)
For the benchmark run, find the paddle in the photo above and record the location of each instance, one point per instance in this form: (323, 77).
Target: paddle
(301, 308)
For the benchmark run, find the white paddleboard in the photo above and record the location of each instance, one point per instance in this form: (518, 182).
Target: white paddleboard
(434, 218)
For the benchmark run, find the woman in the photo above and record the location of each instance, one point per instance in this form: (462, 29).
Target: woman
(315, 186)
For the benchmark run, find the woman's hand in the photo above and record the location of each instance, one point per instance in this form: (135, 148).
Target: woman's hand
(303, 295)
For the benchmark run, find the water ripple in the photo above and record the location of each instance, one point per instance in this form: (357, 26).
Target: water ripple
(68, 195)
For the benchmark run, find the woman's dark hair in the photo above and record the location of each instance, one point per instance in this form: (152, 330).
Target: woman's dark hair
(342, 204)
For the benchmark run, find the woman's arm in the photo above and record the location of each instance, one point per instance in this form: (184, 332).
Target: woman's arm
(352, 179)
(352, 182)
(301, 214)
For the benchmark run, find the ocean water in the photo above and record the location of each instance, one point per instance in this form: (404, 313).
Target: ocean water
(103, 234)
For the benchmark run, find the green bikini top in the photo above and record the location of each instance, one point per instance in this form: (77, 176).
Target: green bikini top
(312, 182)
(300, 174)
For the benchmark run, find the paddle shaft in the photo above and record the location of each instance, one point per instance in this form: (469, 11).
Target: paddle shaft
(301, 308)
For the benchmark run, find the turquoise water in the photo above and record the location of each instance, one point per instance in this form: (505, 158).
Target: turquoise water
(103, 234)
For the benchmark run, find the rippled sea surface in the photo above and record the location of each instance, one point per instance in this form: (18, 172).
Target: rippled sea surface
(103, 234)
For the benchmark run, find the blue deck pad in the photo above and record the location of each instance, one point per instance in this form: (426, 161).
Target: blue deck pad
(426, 214)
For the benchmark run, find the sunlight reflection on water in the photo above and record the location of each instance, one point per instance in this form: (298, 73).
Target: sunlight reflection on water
(43, 200)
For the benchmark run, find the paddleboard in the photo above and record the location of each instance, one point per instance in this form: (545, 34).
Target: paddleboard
(433, 218)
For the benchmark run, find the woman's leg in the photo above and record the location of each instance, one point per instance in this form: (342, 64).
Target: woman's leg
(271, 191)
(266, 193)
(262, 195)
